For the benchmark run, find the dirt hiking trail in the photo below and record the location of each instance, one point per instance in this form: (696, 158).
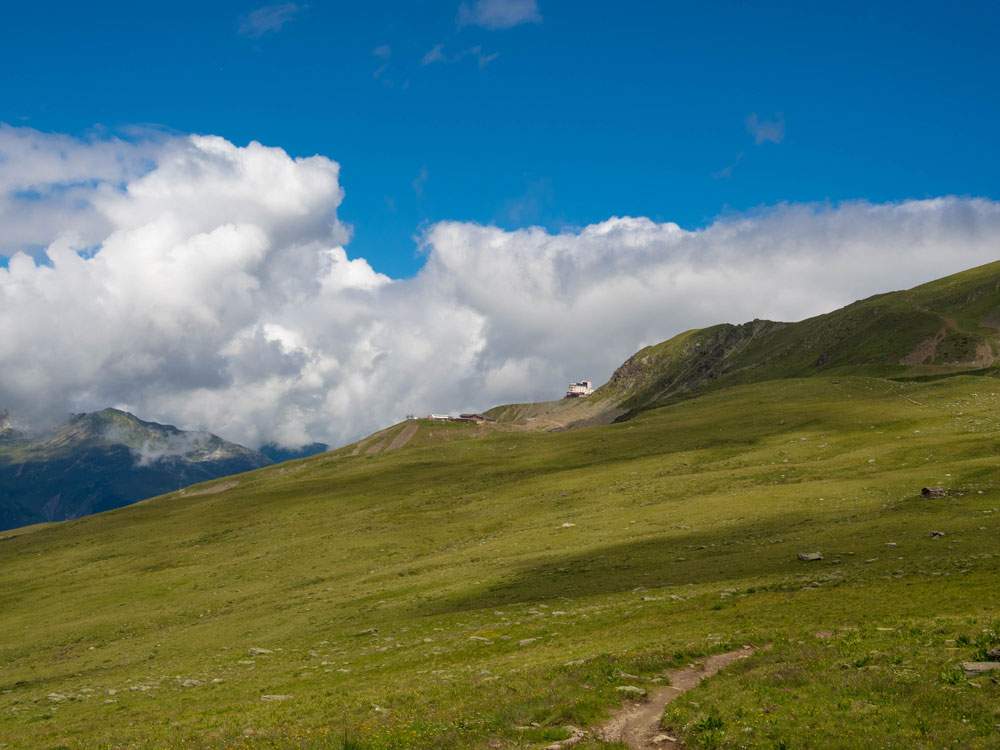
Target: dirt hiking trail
(639, 725)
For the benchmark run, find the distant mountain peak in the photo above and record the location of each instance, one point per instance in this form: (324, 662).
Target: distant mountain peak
(106, 459)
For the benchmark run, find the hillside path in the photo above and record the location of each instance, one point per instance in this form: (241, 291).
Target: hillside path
(639, 725)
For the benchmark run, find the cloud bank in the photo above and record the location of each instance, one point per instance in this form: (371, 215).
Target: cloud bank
(195, 282)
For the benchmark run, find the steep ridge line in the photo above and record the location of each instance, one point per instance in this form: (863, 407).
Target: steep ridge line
(638, 726)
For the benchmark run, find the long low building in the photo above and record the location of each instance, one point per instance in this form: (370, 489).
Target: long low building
(470, 418)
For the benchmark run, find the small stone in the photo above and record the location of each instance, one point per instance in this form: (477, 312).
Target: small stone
(664, 738)
(631, 690)
(891, 544)
(810, 556)
(56, 697)
(979, 667)
(191, 683)
(526, 641)
(993, 654)
(273, 698)
(369, 631)
(480, 639)
(259, 651)
(567, 525)
(574, 663)
(937, 534)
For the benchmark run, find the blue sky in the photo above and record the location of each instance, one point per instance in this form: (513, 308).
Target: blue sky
(581, 111)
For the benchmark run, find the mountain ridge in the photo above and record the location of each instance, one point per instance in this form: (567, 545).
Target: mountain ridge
(945, 327)
(103, 460)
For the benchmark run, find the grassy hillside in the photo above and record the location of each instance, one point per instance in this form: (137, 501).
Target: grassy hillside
(464, 583)
(937, 329)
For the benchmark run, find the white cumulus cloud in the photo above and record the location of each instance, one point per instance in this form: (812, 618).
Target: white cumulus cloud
(196, 282)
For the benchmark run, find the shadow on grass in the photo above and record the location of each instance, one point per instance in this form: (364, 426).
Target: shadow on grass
(738, 552)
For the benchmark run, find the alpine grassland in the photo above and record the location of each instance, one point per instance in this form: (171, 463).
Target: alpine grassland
(484, 588)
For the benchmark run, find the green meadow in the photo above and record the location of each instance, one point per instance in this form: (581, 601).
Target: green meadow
(484, 589)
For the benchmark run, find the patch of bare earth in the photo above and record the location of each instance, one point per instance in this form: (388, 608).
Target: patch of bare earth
(376, 448)
(925, 349)
(403, 436)
(991, 321)
(638, 725)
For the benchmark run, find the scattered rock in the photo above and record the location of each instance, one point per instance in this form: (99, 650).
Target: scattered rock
(631, 690)
(993, 654)
(810, 556)
(933, 492)
(272, 698)
(480, 639)
(526, 641)
(574, 663)
(937, 534)
(891, 544)
(369, 631)
(191, 683)
(567, 526)
(56, 697)
(259, 651)
(979, 667)
(663, 738)
(111, 691)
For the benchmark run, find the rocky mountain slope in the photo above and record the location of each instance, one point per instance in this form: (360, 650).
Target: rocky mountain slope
(105, 460)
